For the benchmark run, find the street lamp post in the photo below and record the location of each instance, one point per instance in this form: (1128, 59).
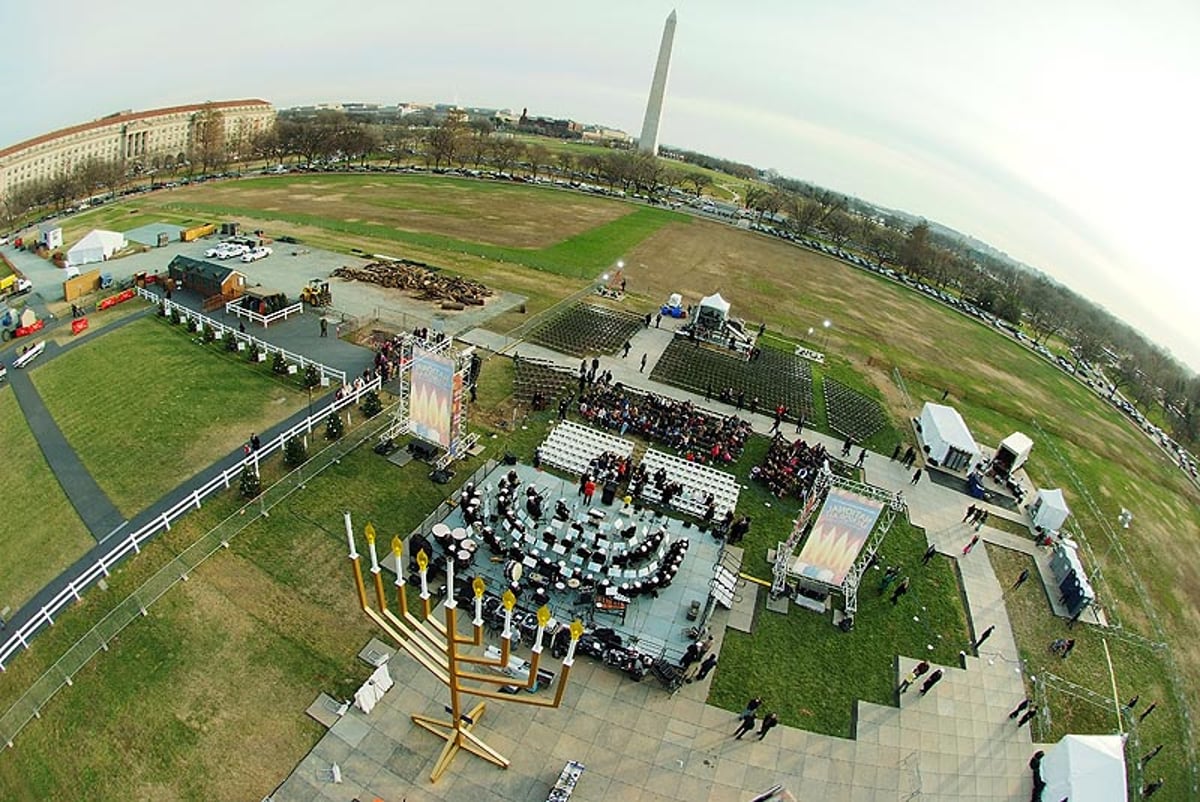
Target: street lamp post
(827, 323)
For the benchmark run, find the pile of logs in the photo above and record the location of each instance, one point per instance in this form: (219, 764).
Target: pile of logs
(426, 283)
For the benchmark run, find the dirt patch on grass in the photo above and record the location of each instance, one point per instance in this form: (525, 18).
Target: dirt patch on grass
(516, 217)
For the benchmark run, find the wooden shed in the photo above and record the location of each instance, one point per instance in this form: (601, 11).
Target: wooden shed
(207, 279)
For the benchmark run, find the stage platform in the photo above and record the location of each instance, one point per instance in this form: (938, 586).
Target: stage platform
(652, 624)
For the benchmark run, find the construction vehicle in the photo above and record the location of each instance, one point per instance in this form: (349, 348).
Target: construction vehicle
(316, 293)
(15, 285)
(16, 323)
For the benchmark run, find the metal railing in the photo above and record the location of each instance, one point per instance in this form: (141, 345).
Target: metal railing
(222, 330)
(134, 606)
(133, 542)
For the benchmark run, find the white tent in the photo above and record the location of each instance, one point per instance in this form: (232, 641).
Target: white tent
(1049, 510)
(712, 310)
(1012, 452)
(946, 438)
(96, 246)
(1085, 767)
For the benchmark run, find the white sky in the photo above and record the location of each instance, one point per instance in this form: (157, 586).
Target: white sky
(1064, 133)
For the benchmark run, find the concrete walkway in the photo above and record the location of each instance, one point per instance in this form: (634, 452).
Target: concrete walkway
(95, 509)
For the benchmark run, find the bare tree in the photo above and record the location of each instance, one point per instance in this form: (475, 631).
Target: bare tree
(208, 138)
(507, 152)
(537, 156)
(699, 181)
(839, 226)
(445, 141)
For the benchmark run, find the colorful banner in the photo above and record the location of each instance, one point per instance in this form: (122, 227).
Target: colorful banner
(841, 530)
(432, 397)
(113, 300)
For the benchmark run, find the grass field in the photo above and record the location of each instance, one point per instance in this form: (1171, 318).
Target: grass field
(877, 325)
(191, 407)
(42, 535)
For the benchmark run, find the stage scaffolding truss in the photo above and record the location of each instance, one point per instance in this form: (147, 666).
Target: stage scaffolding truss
(461, 440)
(893, 503)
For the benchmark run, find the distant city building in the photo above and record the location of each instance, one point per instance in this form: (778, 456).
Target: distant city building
(605, 136)
(648, 142)
(126, 136)
(405, 109)
(548, 126)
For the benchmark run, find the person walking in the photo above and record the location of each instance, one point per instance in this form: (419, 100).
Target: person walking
(1067, 651)
(981, 520)
(625, 349)
(324, 327)
(1146, 758)
(589, 490)
(916, 477)
(746, 724)
(967, 548)
(862, 457)
(928, 555)
(987, 633)
(1152, 789)
(889, 576)
(1017, 710)
(928, 684)
(970, 513)
(1132, 703)
(255, 443)
(917, 671)
(642, 367)
(910, 456)
(800, 423)
(707, 666)
(1020, 579)
(1147, 711)
(900, 590)
(770, 721)
(690, 655)
(751, 706)
(895, 453)
(1025, 719)
(846, 446)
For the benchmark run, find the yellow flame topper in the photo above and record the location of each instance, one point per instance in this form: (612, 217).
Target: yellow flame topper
(370, 532)
(510, 601)
(543, 615)
(576, 629)
(478, 587)
(422, 560)
(397, 549)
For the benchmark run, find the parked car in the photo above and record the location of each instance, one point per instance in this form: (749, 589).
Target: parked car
(255, 254)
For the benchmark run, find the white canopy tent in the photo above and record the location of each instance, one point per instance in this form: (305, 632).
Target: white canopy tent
(96, 246)
(1012, 452)
(713, 311)
(1049, 510)
(947, 440)
(1085, 767)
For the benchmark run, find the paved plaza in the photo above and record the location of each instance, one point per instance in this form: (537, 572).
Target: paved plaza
(638, 742)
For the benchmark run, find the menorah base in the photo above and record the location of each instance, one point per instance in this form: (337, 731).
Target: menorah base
(458, 735)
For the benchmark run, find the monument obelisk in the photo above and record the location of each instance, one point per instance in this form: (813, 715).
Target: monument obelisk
(648, 142)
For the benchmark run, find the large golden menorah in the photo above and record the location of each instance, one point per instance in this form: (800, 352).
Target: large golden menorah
(435, 645)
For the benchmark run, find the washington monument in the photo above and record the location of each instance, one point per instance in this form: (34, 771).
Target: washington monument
(648, 143)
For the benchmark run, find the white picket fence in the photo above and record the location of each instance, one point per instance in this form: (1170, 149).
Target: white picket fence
(132, 543)
(236, 308)
(224, 330)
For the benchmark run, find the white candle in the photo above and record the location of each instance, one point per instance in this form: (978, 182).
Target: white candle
(424, 583)
(570, 658)
(374, 557)
(537, 642)
(507, 633)
(350, 537)
(450, 581)
(478, 611)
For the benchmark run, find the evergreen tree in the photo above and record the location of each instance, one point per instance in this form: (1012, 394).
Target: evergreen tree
(250, 484)
(312, 376)
(334, 427)
(371, 405)
(294, 451)
(280, 364)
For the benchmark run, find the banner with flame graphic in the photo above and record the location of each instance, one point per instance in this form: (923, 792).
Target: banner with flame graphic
(841, 530)
(432, 399)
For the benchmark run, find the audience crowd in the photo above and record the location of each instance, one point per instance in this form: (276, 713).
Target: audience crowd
(790, 469)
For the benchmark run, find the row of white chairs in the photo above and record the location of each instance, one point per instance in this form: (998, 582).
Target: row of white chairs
(698, 481)
(571, 447)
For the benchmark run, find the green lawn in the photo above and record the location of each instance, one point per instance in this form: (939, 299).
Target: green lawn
(812, 673)
(145, 389)
(42, 535)
(1138, 672)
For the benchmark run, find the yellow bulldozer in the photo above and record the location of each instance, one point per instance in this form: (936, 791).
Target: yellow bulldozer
(316, 293)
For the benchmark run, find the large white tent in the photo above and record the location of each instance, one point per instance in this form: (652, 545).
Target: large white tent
(1085, 767)
(1012, 452)
(946, 438)
(712, 311)
(1049, 510)
(96, 246)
